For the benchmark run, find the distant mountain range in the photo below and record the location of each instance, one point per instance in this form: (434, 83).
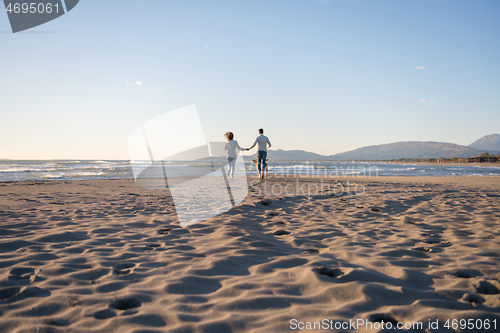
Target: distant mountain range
(488, 143)
(412, 149)
(400, 150)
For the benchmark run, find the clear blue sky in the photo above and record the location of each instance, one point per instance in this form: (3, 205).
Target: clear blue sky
(322, 76)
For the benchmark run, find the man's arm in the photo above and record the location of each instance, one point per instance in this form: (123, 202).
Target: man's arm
(253, 144)
(269, 143)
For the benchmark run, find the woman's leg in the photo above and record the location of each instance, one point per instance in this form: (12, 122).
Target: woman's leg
(233, 165)
(228, 166)
(231, 162)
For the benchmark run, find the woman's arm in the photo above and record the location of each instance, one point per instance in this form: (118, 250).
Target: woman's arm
(238, 146)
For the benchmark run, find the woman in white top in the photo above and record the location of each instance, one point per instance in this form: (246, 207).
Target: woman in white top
(231, 152)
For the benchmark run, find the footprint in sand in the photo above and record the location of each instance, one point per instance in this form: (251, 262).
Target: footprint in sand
(123, 269)
(22, 271)
(104, 314)
(488, 287)
(22, 275)
(194, 285)
(8, 292)
(406, 219)
(56, 322)
(437, 241)
(27, 292)
(473, 298)
(164, 231)
(331, 272)
(73, 301)
(381, 317)
(265, 202)
(273, 214)
(422, 249)
(432, 240)
(151, 247)
(126, 303)
(466, 274)
(282, 232)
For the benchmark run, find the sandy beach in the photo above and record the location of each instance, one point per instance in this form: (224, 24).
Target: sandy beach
(108, 256)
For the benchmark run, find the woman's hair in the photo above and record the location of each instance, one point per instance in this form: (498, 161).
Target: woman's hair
(229, 135)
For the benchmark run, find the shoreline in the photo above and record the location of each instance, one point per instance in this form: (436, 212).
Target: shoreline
(253, 174)
(486, 164)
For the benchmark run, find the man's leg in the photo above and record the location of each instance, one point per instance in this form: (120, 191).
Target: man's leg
(262, 161)
(264, 157)
(259, 165)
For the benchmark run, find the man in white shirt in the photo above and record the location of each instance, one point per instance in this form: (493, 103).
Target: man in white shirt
(263, 142)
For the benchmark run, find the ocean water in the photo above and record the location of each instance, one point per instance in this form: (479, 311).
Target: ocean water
(11, 170)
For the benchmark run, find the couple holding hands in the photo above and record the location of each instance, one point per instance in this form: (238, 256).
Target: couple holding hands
(263, 143)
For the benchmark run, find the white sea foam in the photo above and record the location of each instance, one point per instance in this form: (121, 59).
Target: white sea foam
(60, 170)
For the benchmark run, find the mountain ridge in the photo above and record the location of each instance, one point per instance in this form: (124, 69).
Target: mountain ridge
(393, 151)
(490, 143)
(409, 149)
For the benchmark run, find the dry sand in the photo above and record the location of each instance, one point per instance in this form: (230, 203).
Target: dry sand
(107, 256)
